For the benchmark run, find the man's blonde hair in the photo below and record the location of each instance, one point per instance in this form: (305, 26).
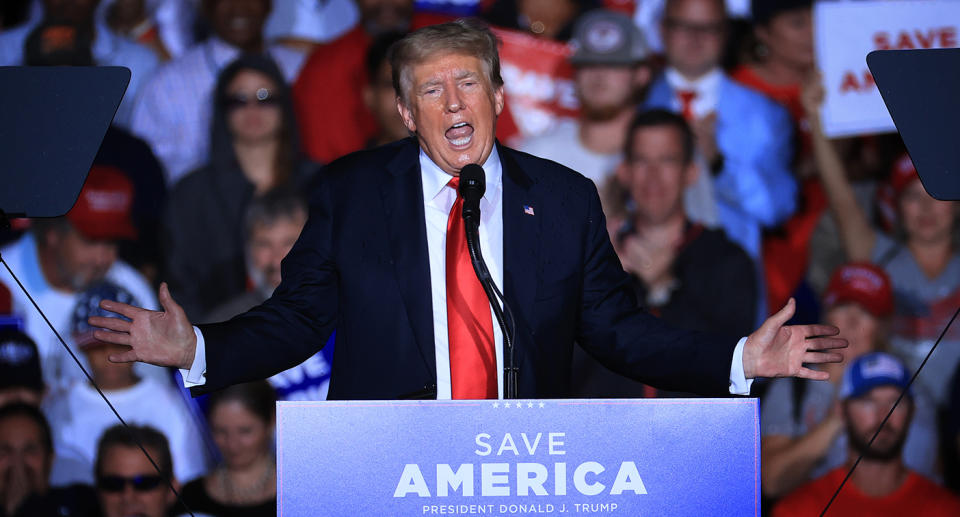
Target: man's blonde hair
(464, 36)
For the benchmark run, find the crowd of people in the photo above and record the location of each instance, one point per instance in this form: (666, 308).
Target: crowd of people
(699, 125)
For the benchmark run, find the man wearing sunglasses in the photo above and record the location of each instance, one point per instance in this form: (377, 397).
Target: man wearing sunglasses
(127, 484)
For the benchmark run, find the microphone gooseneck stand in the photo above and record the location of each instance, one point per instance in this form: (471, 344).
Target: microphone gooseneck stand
(472, 187)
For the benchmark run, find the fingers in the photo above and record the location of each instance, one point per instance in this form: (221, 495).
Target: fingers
(825, 343)
(124, 357)
(815, 375)
(166, 300)
(822, 357)
(116, 338)
(121, 308)
(115, 324)
(783, 315)
(819, 330)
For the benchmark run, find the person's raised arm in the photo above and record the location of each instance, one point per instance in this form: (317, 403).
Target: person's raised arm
(855, 230)
(162, 338)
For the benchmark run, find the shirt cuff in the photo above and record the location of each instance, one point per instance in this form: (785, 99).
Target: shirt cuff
(197, 374)
(739, 384)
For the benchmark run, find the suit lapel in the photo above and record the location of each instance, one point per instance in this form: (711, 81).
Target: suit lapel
(402, 195)
(521, 243)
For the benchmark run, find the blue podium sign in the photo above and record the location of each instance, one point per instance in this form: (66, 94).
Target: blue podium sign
(414, 458)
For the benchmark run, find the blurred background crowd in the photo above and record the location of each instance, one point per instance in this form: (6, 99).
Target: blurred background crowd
(698, 120)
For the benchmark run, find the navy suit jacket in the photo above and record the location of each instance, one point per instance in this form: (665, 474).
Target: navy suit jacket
(361, 267)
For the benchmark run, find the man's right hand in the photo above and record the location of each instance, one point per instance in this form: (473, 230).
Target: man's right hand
(162, 338)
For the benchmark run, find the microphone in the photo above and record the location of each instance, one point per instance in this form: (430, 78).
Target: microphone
(472, 186)
(473, 183)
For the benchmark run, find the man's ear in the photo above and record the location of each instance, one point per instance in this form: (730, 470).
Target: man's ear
(406, 115)
(498, 100)
(691, 173)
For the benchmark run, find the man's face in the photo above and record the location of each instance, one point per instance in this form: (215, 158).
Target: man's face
(858, 326)
(381, 16)
(73, 12)
(267, 246)
(453, 109)
(80, 261)
(694, 35)
(381, 99)
(656, 173)
(127, 464)
(24, 459)
(606, 90)
(239, 22)
(863, 416)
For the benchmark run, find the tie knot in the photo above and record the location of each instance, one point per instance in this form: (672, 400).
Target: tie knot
(454, 183)
(687, 95)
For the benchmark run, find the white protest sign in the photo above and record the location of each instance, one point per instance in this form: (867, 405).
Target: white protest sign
(845, 32)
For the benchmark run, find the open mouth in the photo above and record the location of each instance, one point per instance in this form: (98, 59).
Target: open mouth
(460, 134)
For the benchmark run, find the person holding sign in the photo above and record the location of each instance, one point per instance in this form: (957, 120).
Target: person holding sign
(923, 264)
(384, 229)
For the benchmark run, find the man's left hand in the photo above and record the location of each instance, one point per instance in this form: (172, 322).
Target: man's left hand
(776, 350)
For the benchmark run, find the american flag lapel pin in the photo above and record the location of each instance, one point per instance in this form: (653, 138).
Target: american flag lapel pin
(527, 209)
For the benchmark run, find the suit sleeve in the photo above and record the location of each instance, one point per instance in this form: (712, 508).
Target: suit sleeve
(292, 324)
(616, 332)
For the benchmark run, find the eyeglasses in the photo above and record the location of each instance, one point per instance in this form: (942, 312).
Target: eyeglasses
(696, 29)
(119, 483)
(262, 97)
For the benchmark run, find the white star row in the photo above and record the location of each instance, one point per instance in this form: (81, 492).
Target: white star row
(517, 405)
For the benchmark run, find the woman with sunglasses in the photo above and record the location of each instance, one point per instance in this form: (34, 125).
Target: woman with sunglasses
(241, 420)
(254, 149)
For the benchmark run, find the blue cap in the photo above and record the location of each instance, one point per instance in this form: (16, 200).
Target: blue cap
(88, 304)
(872, 370)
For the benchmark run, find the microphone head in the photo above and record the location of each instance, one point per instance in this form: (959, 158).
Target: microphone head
(473, 183)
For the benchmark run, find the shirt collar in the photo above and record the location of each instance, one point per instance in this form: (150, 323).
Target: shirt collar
(434, 178)
(708, 82)
(221, 52)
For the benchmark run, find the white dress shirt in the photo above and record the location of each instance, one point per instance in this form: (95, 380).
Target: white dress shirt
(707, 88)
(438, 199)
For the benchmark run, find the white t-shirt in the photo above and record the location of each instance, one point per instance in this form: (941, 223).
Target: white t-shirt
(562, 145)
(59, 370)
(79, 417)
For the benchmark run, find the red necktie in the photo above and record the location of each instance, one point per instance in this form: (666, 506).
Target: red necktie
(686, 103)
(473, 360)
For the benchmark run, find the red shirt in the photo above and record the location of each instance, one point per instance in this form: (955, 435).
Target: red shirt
(917, 496)
(328, 96)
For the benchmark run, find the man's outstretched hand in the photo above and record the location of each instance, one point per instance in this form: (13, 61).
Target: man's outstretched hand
(162, 338)
(775, 350)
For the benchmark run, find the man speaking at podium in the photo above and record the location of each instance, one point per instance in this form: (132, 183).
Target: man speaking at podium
(383, 260)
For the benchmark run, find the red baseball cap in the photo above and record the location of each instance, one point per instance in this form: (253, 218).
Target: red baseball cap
(102, 211)
(865, 284)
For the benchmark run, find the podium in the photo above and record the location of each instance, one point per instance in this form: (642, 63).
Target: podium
(519, 457)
